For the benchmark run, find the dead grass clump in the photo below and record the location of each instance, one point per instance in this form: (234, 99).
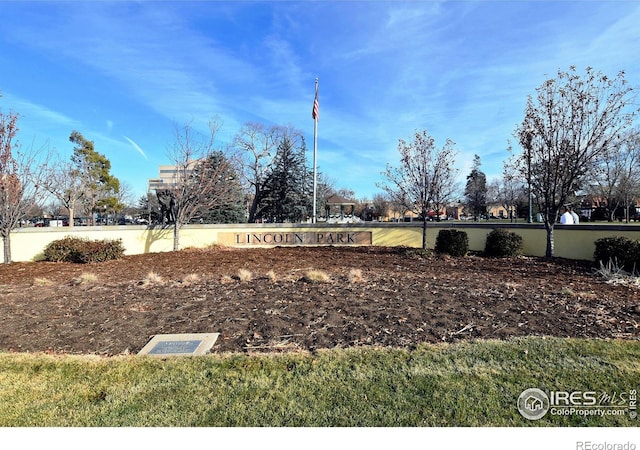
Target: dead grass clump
(568, 292)
(85, 278)
(355, 276)
(226, 279)
(192, 278)
(317, 276)
(42, 282)
(152, 279)
(244, 275)
(587, 295)
(272, 276)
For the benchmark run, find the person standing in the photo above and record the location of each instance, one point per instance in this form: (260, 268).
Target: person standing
(576, 218)
(566, 218)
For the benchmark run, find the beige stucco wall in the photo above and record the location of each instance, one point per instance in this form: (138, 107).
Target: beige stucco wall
(575, 242)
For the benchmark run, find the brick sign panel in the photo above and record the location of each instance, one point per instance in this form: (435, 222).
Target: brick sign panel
(296, 238)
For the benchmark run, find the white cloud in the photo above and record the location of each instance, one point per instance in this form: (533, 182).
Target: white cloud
(460, 70)
(136, 146)
(34, 112)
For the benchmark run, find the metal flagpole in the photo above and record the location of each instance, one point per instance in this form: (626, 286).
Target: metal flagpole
(315, 150)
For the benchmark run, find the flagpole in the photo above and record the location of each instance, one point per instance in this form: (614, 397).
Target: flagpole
(315, 154)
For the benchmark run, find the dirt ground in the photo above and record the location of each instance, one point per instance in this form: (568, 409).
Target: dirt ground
(264, 300)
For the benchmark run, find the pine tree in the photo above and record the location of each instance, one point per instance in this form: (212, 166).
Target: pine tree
(476, 190)
(229, 207)
(93, 168)
(288, 190)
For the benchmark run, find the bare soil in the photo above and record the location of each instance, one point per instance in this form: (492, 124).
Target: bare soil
(264, 300)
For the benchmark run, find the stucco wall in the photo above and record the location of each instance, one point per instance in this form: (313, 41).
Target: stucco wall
(573, 242)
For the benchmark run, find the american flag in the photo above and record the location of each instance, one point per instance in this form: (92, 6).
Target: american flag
(315, 113)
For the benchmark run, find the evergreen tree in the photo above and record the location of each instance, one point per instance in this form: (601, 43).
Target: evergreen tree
(231, 208)
(148, 208)
(93, 168)
(288, 190)
(476, 190)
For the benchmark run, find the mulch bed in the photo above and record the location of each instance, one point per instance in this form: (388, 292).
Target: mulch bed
(374, 296)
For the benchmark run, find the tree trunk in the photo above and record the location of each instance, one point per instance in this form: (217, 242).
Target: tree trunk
(176, 236)
(254, 205)
(71, 217)
(424, 233)
(6, 244)
(549, 252)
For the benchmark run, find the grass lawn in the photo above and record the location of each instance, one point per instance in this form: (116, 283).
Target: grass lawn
(466, 384)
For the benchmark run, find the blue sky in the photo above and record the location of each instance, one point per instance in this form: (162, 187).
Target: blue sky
(124, 73)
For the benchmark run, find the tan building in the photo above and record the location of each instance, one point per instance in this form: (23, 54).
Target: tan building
(169, 176)
(501, 212)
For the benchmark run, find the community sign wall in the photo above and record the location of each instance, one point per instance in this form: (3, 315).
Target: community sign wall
(571, 241)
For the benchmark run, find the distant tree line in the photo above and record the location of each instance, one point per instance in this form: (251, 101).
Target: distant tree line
(576, 139)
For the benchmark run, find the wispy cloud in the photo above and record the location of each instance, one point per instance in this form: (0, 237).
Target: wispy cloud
(460, 70)
(136, 146)
(36, 112)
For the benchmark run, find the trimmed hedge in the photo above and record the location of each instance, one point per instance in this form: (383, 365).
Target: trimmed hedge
(452, 242)
(503, 243)
(621, 250)
(79, 250)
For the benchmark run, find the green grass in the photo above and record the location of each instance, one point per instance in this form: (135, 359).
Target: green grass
(468, 384)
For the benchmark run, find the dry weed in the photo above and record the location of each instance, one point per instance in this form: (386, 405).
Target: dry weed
(317, 276)
(42, 282)
(355, 276)
(244, 275)
(226, 279)
(85, 278)
(152, 279)
(190, 279)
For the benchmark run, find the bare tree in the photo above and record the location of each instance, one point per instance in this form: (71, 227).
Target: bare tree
(629, 190)
(204, 176)
(566, 129)
(507, 191)
(616, 175)
(65, 183)
(21, 173)
(257, 144)
(397, 204)
(426, 178)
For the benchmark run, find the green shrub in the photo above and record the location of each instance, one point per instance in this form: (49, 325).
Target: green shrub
(621, 250)
(452, 242)
(503, 243)
(78, 250)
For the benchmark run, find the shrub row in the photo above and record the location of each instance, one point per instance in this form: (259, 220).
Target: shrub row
(452, 242)
(624, 252)
(500, 243)
(78, 250)
(503, 243)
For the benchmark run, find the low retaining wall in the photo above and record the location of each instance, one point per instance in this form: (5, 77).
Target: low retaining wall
(571, 241)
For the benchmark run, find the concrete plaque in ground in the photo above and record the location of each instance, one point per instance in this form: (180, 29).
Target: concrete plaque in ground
(194, 344)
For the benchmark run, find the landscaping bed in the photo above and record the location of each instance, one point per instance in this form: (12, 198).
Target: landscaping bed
(273, 300)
